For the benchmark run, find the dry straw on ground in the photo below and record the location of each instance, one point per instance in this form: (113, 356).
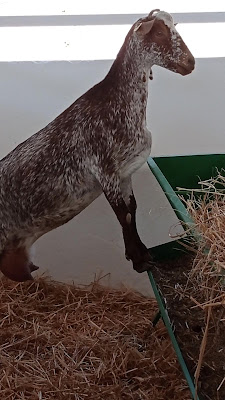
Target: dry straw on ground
(58, 341)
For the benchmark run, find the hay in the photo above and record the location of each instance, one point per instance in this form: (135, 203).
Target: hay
(207, 276)
(208, 272)
(59, 341)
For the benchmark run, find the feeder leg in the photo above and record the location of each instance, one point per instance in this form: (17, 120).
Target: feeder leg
(157, 318)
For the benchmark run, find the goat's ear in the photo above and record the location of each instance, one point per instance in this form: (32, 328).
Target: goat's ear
(144, 27)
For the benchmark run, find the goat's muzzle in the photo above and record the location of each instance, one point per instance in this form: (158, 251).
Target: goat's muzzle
(185, 68)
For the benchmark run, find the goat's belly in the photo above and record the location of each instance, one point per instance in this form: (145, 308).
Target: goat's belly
(67, 210)
(25, 233)
(79, 204)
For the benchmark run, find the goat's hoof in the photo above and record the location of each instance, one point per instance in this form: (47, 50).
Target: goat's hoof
(33, 267)
(143, 266)
(127, 257)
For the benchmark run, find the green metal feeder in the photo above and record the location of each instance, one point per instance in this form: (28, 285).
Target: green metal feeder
(171, 173)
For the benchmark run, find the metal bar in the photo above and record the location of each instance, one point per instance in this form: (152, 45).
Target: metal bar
(103, 19)
(175, 202)
(156, 318)
(184, 216)
(176, 347)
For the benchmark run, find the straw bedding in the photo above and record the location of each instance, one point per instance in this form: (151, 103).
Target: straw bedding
(58, 341)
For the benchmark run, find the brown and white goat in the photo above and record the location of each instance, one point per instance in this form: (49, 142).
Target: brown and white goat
(94, 146)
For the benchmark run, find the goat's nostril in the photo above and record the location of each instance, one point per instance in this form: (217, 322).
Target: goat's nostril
(191, 61)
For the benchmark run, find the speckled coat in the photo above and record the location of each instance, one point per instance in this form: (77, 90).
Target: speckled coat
(94, 146)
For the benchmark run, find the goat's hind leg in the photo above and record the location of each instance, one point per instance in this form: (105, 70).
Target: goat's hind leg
(15, 264)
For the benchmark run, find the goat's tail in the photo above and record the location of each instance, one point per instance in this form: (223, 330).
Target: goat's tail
(15, 264)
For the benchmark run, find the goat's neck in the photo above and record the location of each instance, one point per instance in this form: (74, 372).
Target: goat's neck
(130, 76)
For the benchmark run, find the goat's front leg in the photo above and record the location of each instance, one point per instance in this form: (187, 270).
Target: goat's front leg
(121, 198)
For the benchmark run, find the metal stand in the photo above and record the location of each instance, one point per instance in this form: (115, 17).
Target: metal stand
(164, 315)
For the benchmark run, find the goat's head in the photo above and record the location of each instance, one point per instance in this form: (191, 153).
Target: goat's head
(161, 44)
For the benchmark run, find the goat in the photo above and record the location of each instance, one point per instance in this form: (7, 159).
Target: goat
(94, 146)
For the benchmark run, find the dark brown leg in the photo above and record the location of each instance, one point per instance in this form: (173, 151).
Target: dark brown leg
(15, 264)
(123, 203)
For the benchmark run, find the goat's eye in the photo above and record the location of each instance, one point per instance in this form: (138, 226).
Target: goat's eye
(159, 33)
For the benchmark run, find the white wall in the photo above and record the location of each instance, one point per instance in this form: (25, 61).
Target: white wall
(32, 94)
(185, 114)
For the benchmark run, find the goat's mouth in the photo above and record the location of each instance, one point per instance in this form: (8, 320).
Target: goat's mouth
(185, 69)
